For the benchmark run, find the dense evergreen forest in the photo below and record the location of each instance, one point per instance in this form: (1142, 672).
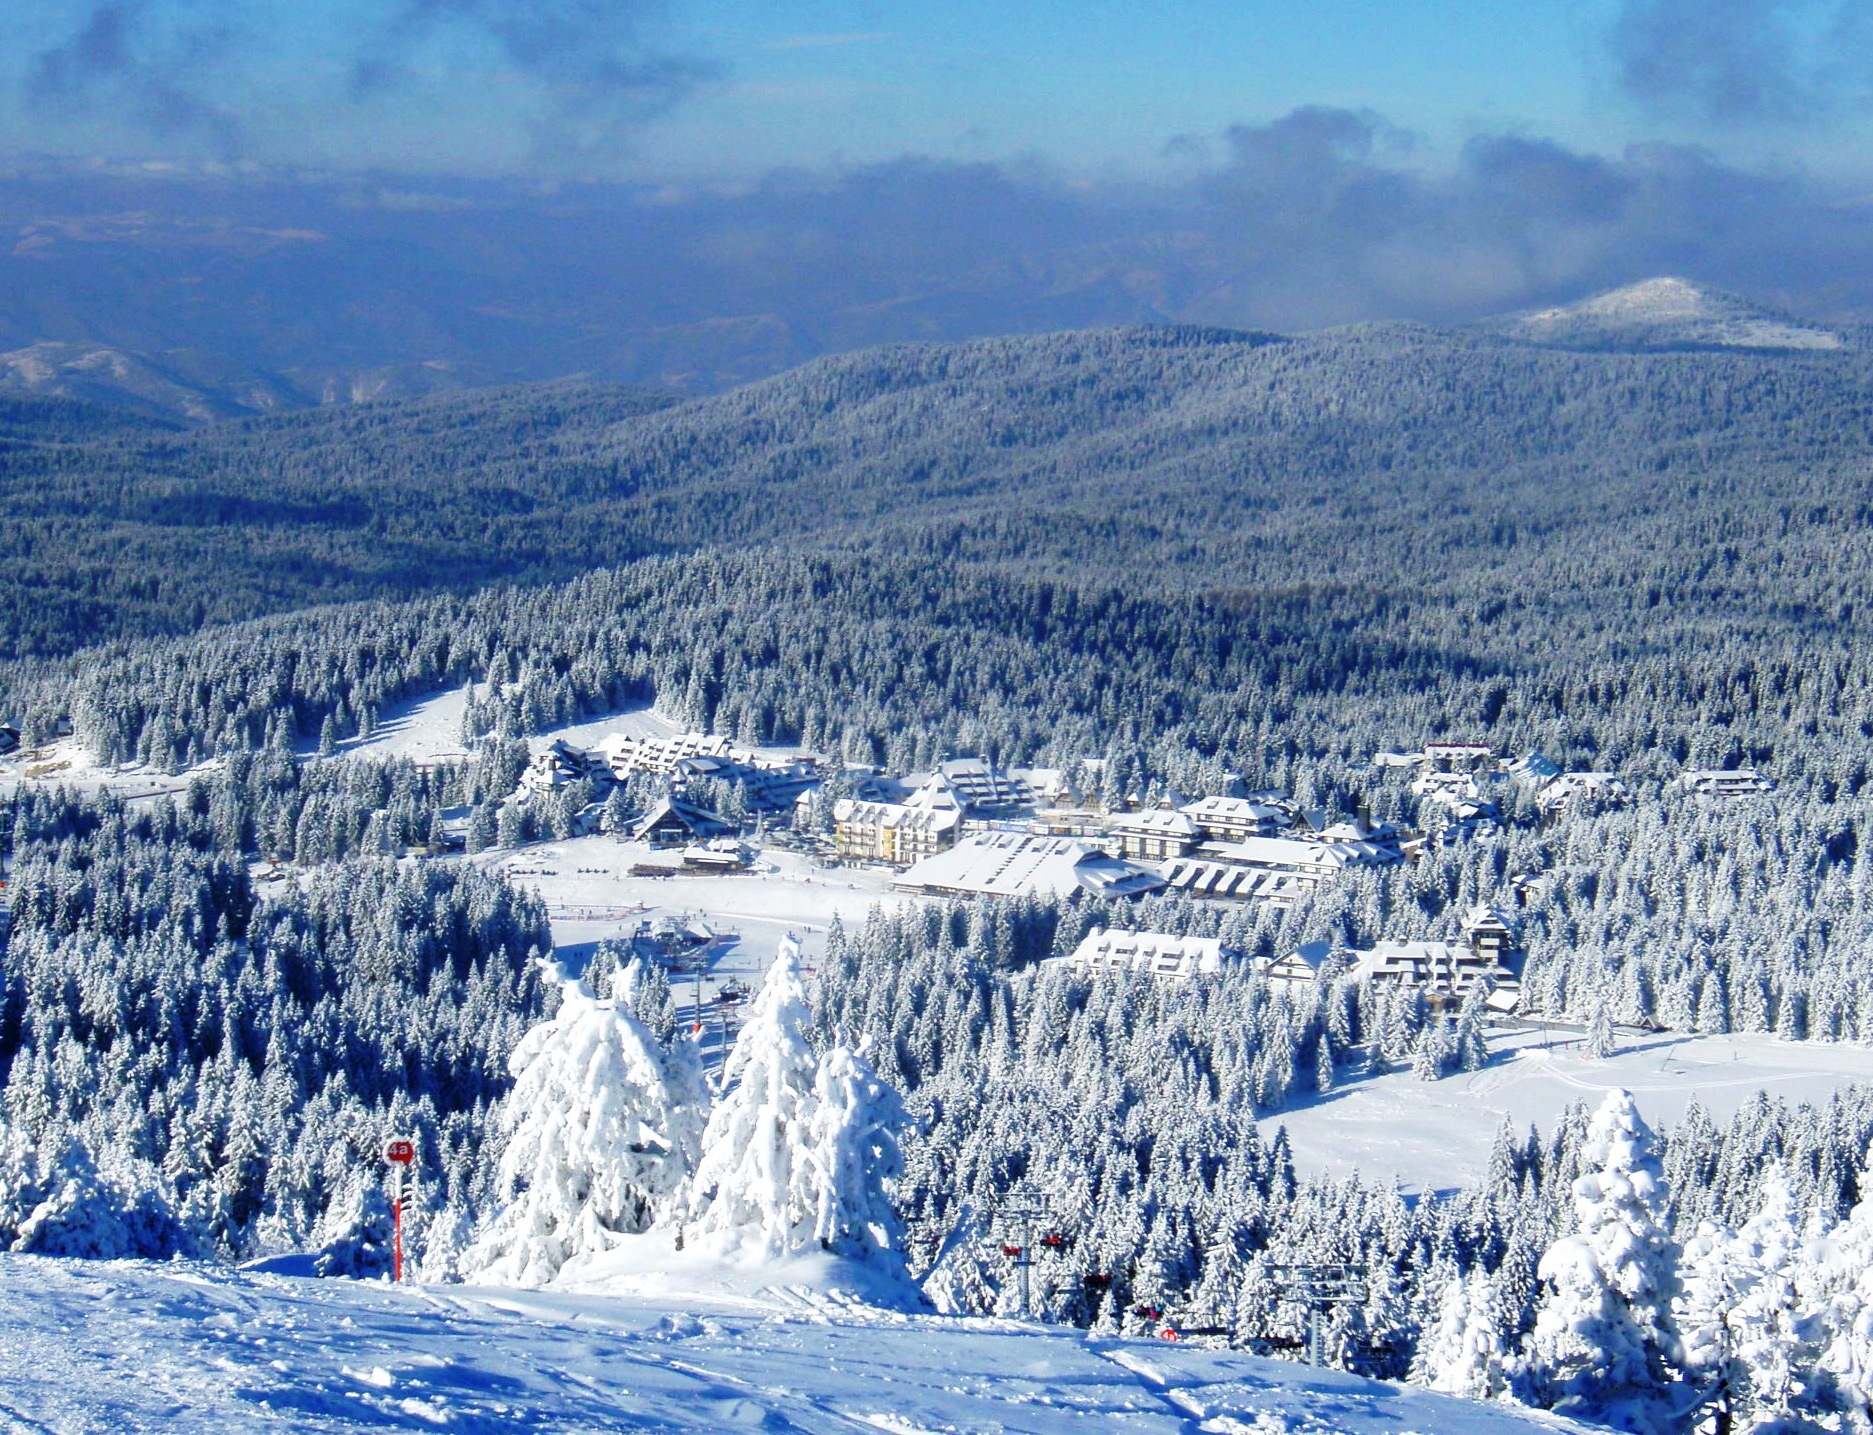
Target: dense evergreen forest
(1164, 457)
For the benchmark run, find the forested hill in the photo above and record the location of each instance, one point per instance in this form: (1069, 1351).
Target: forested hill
(1380, 458)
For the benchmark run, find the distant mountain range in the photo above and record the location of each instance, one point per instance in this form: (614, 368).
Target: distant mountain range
(193, 387)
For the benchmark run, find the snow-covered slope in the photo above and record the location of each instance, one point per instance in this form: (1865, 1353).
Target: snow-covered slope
(1667, 313)
(195, 387)
(127, 1347)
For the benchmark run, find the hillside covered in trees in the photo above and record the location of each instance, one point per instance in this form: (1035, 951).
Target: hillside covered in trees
(1182, 458)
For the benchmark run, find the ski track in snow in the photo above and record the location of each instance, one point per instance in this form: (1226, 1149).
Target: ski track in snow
(134, 1347)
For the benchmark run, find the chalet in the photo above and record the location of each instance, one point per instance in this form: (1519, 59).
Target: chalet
(676, 823)
(723, 855)
(892, 832)
(1157, 954)
(1232, 819)
(1387, 836)
(1008, 864)
(1583, 789)
(1047, 786)
(1489, 934)
(1469, 821)
(1737, 782)
(1302, 966)
(1159, 834)
(1312, 860)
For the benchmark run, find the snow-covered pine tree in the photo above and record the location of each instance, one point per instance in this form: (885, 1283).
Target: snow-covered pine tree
(754, 1190)
(1712, 1279)
(1604, 1341)
(855, 1158)
(1845, 1297)
(1766, 1319)
(1463, 1354)
(1601, 1042)
(602, 1127)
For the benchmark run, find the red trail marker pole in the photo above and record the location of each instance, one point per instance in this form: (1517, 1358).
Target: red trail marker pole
(401, 1154)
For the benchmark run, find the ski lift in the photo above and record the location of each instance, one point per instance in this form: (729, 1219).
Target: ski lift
(1054, 1241)
(1096, 1281)
(1148, 1312)
(1011, 1251)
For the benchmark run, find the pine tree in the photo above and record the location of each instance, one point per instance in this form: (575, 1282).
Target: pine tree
(1713, 1278)
(754, 1190)
(1604, 1340)
(1765, 1319)
(1463, 1354)
(1601, 1042)
(855, 1159)
(601, 1134)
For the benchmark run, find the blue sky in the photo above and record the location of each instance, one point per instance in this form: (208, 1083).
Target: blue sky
(724, 89)
(1111, 83)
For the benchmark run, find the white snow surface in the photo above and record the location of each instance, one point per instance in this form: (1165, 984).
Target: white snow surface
(129, 1347)
(1674, 311)
(1436, 1135)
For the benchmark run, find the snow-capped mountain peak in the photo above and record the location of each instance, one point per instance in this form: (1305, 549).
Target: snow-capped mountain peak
(1668, 313)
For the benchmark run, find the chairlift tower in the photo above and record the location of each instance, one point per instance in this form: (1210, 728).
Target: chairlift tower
(1021, 1210)
(1319, 1286)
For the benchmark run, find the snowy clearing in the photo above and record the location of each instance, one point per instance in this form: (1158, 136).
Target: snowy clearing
(1436, 1135)
(590, 894)
(125, 1346)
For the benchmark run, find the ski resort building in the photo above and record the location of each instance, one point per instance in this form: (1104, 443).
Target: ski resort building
(1449, 789)
(676, 823)
(1591, 789)
(1157, 834)
(1009, 864)
(1488, 933)
(1195, 877)
(1235, 819)
(560, 764)
(892, 832)
(1468, 821)
(1300, 966)
(1458, 756)
(1436, 968)
(1272, 869)
(1740, 782)
(625, 754)
(978, 790)
(1531, 770)
(1157, 954)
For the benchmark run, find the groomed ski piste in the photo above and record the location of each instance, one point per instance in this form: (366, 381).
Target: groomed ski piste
(116, 1346)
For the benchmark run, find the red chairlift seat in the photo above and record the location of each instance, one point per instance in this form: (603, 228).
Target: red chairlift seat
(1011, 1250)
